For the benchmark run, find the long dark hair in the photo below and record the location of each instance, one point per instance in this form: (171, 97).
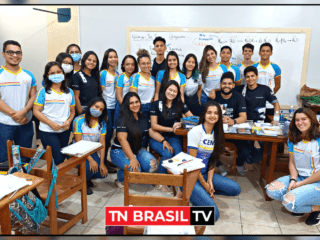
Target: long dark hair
(61, 56)
(105, 64)
(132, 124)
(204, 66)
(136, 68)
(103, 116)
(177, 102)
(195, 71)
(47, 83)
(295, 134)
(95, 72)
(218, 134)
(165, 78)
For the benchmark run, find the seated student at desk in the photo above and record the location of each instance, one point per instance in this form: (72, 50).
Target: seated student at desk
(299, 191)
(256, 97)
(206, 141)
(235, 114)
(165, 119)
(132, 131)
(91, 126)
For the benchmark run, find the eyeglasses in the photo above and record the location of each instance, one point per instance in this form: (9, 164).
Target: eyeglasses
(11, 53)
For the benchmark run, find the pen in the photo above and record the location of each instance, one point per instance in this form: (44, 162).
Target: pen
(184, 162)
(13, 193)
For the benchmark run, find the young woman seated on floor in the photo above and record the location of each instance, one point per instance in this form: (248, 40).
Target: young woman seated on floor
(132, 131)
(300, 191)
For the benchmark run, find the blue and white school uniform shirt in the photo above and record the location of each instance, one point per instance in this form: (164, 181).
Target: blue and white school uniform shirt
(267, 75)
(146, 87)
(192, 85)
(236, 72)
(123, 82)
(180, 78)
(199, 140)
(242, 67)
(88, 133)
(14, 91)
(108, 81)
(306, 156)
(56, 107)
(213, 78)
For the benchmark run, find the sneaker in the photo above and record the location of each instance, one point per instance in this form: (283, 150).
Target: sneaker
(223, 170)
(313, 219)
(119, 184)
(241, 170)
(89, 191)
(297, 214)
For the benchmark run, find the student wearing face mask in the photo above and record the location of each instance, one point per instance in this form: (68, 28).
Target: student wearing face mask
(75, 52)
(91, 126)
(55, 108)
(67, 64)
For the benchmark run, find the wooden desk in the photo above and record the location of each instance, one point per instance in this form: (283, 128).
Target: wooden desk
(4, 202)
(252, 137)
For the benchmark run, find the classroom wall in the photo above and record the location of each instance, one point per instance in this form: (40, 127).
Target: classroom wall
(103, 27)
(40, 34)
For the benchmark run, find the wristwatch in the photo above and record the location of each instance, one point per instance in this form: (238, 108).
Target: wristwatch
(235, 121)
(163, 140)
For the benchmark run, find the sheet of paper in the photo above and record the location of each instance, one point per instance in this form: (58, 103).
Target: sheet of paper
(80, 148)
(10, 183)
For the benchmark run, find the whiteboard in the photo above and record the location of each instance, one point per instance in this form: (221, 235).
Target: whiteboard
(290, 49)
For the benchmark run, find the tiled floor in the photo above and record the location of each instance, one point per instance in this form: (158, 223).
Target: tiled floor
(247, 213)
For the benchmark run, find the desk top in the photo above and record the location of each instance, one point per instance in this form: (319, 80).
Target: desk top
(36, 181)
(238, 136)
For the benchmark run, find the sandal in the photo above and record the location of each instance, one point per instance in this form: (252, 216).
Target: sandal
(164, 189)
(119, 184)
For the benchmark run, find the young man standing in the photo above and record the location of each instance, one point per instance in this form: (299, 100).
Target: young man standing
(247, 52)
(225, 55)
(256, 97)
(269, 73)
(235, 113)
(159, 61)
(17, 94)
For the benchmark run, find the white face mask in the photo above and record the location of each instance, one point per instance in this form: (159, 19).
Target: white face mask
(67, 68)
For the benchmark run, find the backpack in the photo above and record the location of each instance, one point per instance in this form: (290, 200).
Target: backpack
(29, 210)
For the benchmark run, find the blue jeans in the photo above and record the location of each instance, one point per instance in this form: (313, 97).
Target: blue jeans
(119, 158)
(222, 186)
(21, 135)
(176, 144)
(110, 127)
(305, 197)
(145, 109)
(56, 141)
(116, 113)
(90, 174)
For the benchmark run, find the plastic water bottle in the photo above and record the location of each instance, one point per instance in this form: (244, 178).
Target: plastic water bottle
(276, 119)
(291, 112)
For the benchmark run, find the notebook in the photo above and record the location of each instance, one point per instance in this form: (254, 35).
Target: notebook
(80, 148)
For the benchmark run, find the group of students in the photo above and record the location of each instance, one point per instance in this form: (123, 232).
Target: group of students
(145, 108)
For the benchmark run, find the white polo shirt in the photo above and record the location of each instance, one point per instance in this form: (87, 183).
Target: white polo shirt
(123, 82)
(146, 87)
(56, 107)
(14, 91)
(108, 81)
(88, 133)
(213, 78)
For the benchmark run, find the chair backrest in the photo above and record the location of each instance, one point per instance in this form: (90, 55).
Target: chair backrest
(29, 152)
(154, 178)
